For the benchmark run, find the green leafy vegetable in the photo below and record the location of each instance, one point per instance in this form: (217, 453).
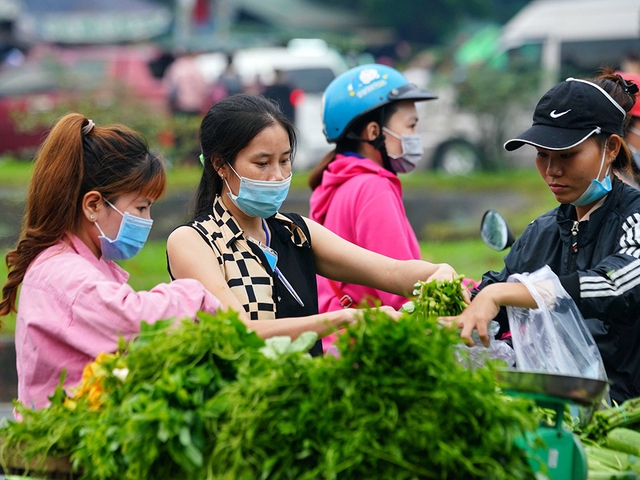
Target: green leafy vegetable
(437, 298)
(210, 399)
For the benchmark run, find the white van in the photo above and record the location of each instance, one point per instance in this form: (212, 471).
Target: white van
(562, 38)
(573, 37)
(310, 66)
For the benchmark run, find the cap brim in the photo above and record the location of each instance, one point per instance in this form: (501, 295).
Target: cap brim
(411, 92)
(549, 138)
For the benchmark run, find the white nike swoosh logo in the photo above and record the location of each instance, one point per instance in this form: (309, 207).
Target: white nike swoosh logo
(556, 115)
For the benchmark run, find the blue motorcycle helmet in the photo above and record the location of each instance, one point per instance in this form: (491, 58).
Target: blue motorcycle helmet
(361, 90)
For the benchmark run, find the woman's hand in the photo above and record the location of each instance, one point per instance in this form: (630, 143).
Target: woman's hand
(476, 316)
(446, 272)
(485, 307)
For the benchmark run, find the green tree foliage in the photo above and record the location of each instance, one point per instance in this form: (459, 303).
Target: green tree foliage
(496, 96)
(433, 21)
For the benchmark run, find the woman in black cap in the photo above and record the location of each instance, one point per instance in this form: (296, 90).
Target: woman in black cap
(591, 241)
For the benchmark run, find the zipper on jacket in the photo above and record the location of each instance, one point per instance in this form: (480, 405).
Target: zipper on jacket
(574, 245)
(574, 232)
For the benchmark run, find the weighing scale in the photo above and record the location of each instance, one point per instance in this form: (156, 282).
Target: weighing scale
(562, 452)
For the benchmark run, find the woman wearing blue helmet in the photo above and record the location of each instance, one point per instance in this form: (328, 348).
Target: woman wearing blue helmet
(370, 114)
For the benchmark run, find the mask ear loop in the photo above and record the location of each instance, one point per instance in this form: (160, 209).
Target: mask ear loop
(113, 206)
(604, 154)
(96, 222)
(99, 229)
(227, 184)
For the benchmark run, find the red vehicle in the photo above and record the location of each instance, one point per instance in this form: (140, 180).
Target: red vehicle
(51, 75)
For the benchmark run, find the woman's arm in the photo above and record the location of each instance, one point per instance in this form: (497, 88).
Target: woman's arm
(190, 257)
(485, 307)
(338, 259)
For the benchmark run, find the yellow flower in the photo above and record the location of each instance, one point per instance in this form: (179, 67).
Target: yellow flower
(91, 386)
(70, 404)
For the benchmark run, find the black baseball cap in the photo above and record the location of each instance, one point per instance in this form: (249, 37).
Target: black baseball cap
(570, 113)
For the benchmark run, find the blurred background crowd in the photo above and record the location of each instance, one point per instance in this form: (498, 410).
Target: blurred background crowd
(158, 65)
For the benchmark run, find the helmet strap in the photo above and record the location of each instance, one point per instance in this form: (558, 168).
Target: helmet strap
(378, 144)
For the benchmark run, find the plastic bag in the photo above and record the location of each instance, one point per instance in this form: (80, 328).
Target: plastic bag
(553, 338)
(477, 355)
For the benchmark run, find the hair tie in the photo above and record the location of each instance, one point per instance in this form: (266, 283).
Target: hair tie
(629, 87)
(88, 127)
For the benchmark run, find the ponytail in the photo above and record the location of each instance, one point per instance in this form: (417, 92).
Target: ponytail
(50, 210)
(315, 177)
(77, 157)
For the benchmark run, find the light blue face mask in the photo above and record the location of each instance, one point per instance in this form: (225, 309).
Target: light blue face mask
(259, 198)
(597, 189)
(132, 236)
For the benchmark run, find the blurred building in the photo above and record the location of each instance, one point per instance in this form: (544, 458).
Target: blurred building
(91, 21)
(184, 24)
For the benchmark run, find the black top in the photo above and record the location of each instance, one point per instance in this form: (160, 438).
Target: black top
(260, 289)
(598, 263)
(297, 265)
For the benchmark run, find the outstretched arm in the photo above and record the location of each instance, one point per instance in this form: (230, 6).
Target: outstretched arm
(338, 259)
(190, 257)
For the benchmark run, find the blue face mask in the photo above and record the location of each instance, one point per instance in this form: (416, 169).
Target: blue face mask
(597, 189)
(259, 198)
(132, 236)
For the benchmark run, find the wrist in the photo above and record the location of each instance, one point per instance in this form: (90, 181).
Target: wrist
(510, 295)
(340, 318)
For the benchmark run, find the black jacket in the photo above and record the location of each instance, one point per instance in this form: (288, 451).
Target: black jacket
(598, 263)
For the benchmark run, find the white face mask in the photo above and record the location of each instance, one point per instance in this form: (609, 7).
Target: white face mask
(412, 151)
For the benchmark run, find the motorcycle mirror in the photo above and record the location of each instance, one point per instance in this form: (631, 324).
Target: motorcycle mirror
(495, 231)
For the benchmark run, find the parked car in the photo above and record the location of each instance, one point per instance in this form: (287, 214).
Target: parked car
(30, 88)
(572, 37)
(310, 65)
(51, 76)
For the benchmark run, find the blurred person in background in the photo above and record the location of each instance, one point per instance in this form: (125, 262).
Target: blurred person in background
(280, 92)
(187, 89)
(370, 114)
(631, 63)
(419, 70)
(229, 82)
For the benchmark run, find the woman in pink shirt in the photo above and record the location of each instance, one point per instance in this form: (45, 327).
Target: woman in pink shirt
(370, 113)
(88, 205)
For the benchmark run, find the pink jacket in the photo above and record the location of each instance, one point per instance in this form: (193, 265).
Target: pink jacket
(362, 202)
(73, 306)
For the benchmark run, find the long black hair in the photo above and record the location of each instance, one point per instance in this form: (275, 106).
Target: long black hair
(227, 128)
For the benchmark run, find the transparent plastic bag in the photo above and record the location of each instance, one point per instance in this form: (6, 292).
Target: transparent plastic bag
(553, 338)
(476, 356)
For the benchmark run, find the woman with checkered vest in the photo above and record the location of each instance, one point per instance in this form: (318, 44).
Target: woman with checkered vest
(256, 260)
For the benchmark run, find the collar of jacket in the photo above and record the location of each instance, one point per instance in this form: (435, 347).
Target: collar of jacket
(566, 216)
